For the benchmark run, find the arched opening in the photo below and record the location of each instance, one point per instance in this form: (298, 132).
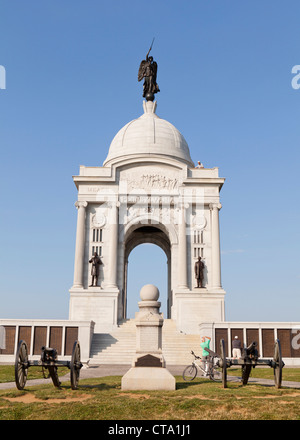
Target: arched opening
(147, 261)
(147, 264)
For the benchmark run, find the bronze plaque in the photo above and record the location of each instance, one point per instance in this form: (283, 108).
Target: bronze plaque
(148, 361)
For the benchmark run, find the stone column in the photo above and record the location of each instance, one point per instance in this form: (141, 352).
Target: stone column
(215, 243)
(182, 250)
(170, 299)
(113, 251)
(125, 289)
(80, 242)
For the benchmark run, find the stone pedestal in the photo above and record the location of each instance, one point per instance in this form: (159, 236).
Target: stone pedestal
(148, 370)
(98, 305)
(197, 306)
(148, 378)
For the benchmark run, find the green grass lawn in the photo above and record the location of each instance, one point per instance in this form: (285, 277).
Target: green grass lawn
(103, 399)
(7, 373)
(288, 374)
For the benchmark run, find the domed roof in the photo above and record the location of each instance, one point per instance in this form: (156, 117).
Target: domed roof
(149, 135)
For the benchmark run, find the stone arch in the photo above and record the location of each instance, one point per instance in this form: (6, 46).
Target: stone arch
(142, 231)
(146, 220)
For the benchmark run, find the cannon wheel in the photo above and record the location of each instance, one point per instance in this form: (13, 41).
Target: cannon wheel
(278, 364)
(224, 363)
(246, 370)
(21, 365)
(75, 366)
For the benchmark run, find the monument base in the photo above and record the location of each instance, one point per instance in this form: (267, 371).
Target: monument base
(196, 306)
(148, 378)
(95, 304)
(148, 370)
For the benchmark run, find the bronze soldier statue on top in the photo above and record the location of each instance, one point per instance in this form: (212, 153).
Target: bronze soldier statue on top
(199, 266)
(96, 262)
(148, 71)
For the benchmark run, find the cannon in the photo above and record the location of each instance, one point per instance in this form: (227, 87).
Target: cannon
(250, 359)
(48, 361)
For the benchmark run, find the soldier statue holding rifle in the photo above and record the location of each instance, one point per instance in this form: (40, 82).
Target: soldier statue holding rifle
(96, 262)
(199, 267)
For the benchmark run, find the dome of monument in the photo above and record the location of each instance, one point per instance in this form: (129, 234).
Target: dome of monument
(149, 135)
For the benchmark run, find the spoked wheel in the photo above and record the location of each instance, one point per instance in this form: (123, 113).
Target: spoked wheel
(21, 365)
(75, 366)
(189, 373)
(215, 374)
(278, 364)
(223, 363)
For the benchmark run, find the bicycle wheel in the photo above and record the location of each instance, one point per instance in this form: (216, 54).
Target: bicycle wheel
(215, 374)
(189, 373)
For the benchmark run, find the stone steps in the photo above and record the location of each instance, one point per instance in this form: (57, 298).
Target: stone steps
(118, 347)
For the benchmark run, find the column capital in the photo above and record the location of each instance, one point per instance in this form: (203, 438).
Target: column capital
(79, 204)
(113, 204)
(215, 206)
(182, 205)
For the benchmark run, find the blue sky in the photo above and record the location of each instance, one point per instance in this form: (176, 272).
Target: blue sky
(225, 80)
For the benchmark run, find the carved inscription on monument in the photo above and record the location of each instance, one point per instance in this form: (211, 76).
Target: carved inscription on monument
(150, 178)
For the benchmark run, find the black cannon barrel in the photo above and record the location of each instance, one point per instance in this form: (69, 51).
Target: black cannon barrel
(48, 354)
(252, 347)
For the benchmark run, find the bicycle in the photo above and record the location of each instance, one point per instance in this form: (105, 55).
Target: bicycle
(210, 370)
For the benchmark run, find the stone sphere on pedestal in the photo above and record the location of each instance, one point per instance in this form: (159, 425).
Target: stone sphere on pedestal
(149, 292)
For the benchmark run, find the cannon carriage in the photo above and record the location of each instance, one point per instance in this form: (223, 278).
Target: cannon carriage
(250, 359)
(48, 361)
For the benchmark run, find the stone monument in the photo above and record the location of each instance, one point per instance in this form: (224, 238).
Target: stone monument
(148, 190)
(148, 370)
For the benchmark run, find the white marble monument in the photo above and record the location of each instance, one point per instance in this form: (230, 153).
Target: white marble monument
(148, 370)
(148, 191)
